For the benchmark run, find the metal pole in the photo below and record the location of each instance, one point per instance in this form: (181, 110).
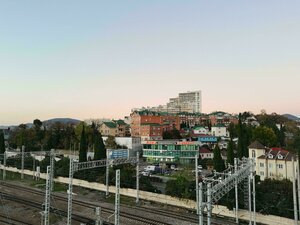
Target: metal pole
(47, 197)
(197, 183)
(52, 164)
(107, 177)
(200, 203)
(209, 206)
(294, 194)
(117, 198)
(4, 165)
(253, 193)
(33, 168)
(236, 192)
(22, 166)
(298, 181)
(98, 216)
(137, 178)
(71, 172)
(250, 200)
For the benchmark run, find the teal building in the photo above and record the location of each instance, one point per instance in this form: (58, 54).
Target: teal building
(171, 151)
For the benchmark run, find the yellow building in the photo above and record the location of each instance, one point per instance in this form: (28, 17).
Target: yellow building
(109, 129)
(272, 163)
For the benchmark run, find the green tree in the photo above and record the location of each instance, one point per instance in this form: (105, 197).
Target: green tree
(232, 129)
(2, 142)
(172, 134)
(217, 160)
(240, 148)
(111, 142)
(265, 135)
(99, 147)
(83, 147)
(181, 188)
(230, 153)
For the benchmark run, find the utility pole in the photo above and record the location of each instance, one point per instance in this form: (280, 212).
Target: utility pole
(236, 193)
(4, 165)
(117, 198)
(137, 177)
(22, 166)
(71, 173)
(253, 191)
(209, 205)
(298, 181)
(197, 183)
(52, 164)
(200, 203)
(33, 168)
(47, 197)
(250, 200)
(98, 216)
(107, 177)
(294, 194)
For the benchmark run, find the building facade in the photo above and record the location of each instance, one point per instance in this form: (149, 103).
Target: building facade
(190, 102)
(219, 130)
(115, 128)
(170, 151)
(272, 163)
(151, 125)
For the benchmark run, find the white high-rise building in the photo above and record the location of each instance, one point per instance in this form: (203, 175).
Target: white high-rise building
(190, 102)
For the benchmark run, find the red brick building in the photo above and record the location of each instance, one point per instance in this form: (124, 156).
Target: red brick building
(151, 125)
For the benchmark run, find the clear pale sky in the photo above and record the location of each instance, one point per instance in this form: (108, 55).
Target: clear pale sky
(93, 59)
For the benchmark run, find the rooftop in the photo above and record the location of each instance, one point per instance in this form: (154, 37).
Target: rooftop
(256, 145)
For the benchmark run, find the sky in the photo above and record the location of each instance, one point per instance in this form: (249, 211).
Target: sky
(95, 59)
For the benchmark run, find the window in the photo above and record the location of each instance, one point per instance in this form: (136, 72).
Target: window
(280, 166)
(253, 154)
(261, 164)
(270, 165)
(261, 173)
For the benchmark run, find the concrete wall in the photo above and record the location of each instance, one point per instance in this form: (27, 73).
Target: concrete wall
(165, 199)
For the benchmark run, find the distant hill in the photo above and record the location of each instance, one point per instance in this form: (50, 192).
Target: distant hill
(291, 117)
(62, 120)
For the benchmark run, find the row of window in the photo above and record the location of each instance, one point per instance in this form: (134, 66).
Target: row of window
(171, 147)
(280, 166)
(179, 154)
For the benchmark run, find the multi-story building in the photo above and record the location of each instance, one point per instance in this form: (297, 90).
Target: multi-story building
(193, 119)
(272, 163)
(116, 128)
(108, 129)
(170, 151)
(190, 102)
(222, 118)
(122, 128)
(219, 130)
(151, 125)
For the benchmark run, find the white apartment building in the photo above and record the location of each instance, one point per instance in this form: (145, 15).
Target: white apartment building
(219, 130)
(272, 163)
(190, 102)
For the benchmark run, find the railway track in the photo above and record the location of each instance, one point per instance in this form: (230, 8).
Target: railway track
(4, 219)
(142, 220)
(128, 217)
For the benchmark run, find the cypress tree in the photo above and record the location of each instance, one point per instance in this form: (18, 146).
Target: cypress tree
(218, 161)
(2, 143)
(240, 148)
(99, 147)
(83, 147)
(230, 153)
